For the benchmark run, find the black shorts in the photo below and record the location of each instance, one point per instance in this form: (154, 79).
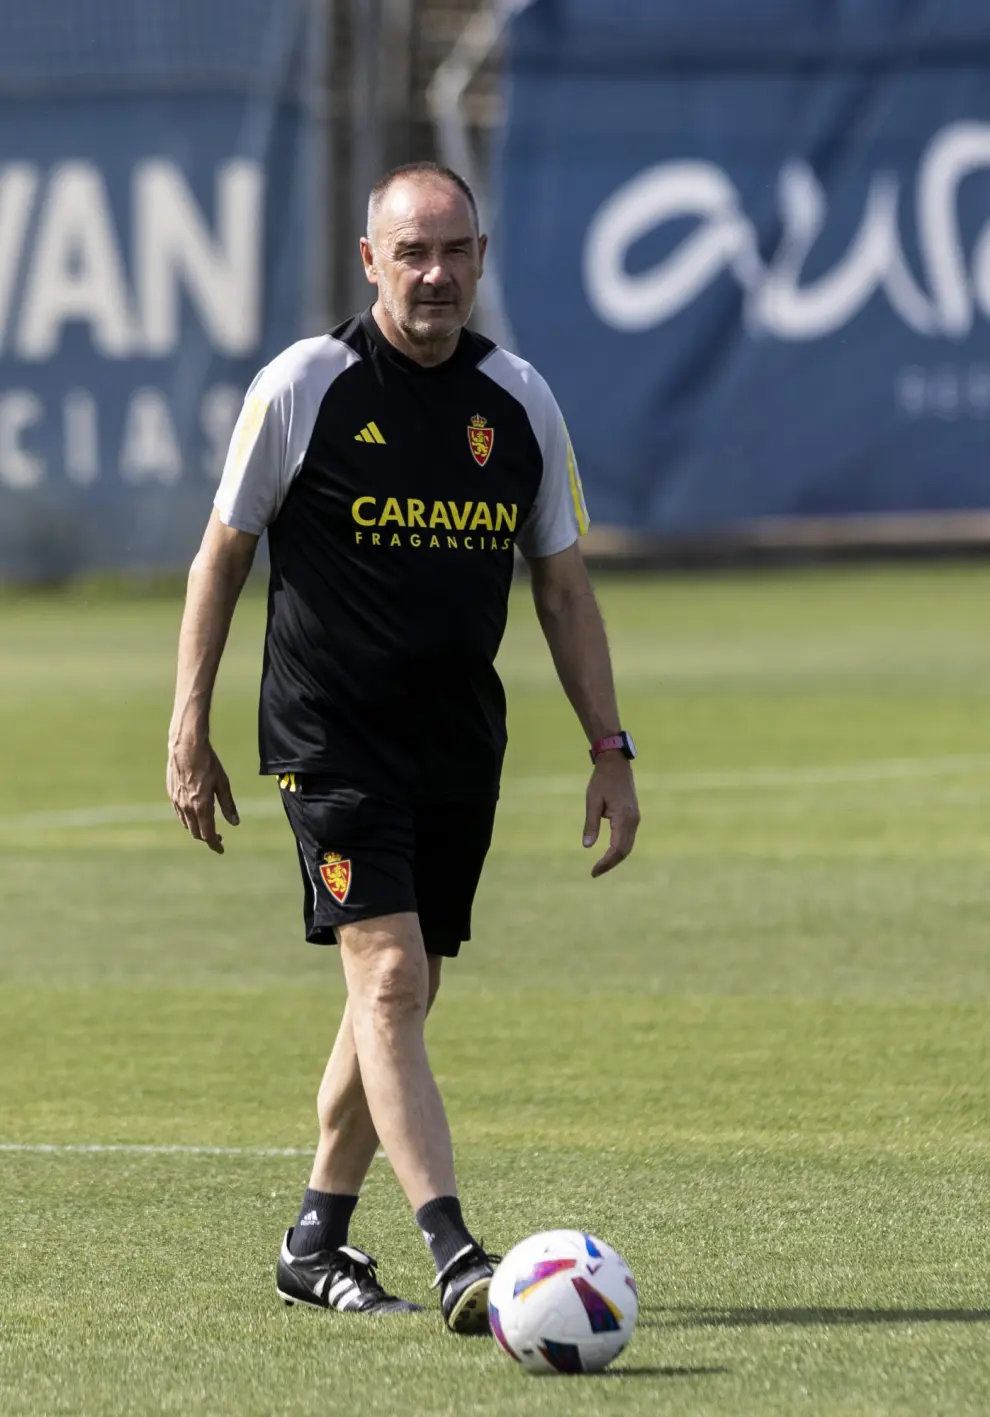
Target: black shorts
(362, 856)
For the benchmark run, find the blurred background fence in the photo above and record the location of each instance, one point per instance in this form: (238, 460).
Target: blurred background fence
(749, 246)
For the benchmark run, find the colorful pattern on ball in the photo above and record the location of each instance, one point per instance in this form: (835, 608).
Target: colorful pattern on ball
(565, 1357)
(603, 1316)
(499, 1332)
(560, 1303)
(542, 1270)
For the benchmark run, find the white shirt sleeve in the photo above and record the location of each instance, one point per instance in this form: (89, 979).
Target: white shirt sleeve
(273, 432)
(559, 515)
(253, 485)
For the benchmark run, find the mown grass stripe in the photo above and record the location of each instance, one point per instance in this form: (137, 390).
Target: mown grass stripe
(129, 1149)
(768, 777)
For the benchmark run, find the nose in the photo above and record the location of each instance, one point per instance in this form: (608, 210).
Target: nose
(436, 275)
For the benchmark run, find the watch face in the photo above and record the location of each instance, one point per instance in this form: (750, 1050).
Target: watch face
(630, 745)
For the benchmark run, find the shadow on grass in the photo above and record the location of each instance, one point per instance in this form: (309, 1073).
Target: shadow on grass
(683, 1317)
(662, 1372)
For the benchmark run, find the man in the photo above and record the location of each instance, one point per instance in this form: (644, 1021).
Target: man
(395, 465)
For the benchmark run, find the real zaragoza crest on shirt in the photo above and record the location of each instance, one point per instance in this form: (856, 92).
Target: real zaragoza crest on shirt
(480, 439)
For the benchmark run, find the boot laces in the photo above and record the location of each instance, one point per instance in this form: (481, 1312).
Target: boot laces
(362, 1268)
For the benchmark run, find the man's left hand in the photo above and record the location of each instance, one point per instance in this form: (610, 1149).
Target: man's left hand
(612, 797)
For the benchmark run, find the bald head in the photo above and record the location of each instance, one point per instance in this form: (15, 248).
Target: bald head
(425, 255)
(418, 174)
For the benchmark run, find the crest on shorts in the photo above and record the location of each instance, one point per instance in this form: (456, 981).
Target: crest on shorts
(480, 439)
(336, 875)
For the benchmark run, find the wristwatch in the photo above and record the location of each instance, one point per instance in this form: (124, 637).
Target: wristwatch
(621, 740)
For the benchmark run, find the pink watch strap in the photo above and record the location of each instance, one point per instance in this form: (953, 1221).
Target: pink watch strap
(604, 745)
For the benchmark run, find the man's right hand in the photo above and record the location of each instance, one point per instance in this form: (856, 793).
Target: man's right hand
(193, 778)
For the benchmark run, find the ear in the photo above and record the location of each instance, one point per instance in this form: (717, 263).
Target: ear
(368, 260)
(482, 248)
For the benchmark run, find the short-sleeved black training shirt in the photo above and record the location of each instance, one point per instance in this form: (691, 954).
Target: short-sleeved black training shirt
(393, 496)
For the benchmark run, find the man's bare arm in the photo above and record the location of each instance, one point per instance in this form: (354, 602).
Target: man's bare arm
(195, 775)
(572, 623)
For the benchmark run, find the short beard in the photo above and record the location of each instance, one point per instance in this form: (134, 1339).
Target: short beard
(426, 338)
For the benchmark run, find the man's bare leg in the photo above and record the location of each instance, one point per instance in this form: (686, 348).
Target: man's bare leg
(388, 990)
(348, 1139)
(388, 987)
(347, 1145)
(379, 1084)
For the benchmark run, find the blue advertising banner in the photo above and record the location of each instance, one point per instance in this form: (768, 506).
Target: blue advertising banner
(751, 253)
(151, 259)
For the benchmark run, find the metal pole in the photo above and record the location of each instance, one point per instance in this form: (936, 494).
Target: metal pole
(367, 138)
(396, 81)
(446, 89)
(319, 177)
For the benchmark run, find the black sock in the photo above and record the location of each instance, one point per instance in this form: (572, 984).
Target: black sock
(323, 1222)
(443, 1229)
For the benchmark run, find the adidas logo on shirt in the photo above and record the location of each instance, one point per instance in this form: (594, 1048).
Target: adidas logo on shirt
(371, 433)
(310, 1219)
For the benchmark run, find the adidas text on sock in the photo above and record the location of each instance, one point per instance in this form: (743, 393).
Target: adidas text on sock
(323, 1224)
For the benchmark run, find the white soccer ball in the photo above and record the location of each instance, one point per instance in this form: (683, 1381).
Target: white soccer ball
(563, 1302)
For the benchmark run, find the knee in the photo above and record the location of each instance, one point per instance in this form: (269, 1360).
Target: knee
(397, 987)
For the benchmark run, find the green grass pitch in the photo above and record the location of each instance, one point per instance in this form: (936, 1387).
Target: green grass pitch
(755, 1058)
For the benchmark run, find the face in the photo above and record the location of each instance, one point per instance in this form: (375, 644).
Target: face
(426, 258)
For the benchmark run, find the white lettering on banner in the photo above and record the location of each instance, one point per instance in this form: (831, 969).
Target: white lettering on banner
(76, 270)
(18, 188)
(73, 269)
(19, 411)
(80, 426)
(945, 392)
(223, 276)
(775, 301)
(218, 417)
(151, 451)
(661, 194)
